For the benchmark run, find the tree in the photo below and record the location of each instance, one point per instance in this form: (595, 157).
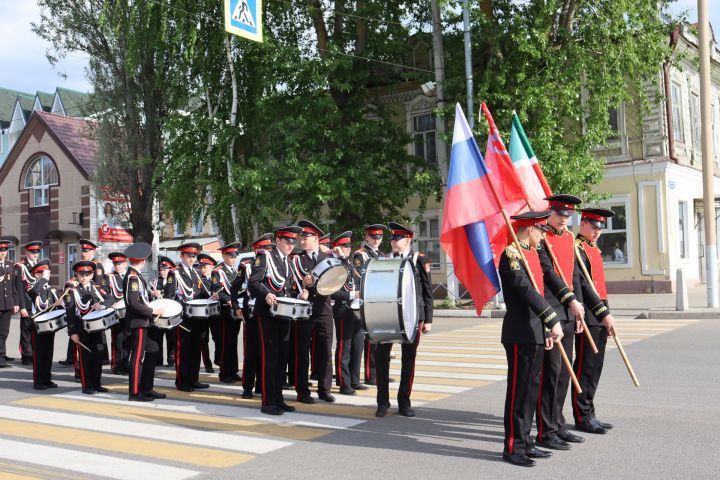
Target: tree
(132, 47)
(561, 64)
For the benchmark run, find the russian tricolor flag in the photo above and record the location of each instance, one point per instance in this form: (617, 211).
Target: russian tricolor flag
(469, 200)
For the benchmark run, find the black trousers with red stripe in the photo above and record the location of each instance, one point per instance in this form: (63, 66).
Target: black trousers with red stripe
(407, 371)
(226, 343)
(189, 349)
(43, 345)
(349, 347)
(313, 351)
(5, 316)
(26, 329)
(251, 353)
(90, 363)
(369, 353)
(143, 358)
(588, 368)
(171, 336)
(554, 383)
(523, 381)
(119, 348)
(274, 335)
(302, 338)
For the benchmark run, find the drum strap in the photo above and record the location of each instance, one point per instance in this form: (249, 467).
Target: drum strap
(223, 279)
(277, 280)
(81, 307)
(115, 287)
(28, 280)
(186, 291)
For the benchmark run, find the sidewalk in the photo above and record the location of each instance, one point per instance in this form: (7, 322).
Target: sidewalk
(652, 305)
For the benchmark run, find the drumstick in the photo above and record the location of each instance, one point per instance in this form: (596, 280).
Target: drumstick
(83, 345)
(186, 329)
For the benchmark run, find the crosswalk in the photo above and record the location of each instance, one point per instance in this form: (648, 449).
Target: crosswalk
(64, 434)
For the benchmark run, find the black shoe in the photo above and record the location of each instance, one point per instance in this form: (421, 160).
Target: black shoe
(519, 459)
(155, 395)
(537, 453)
(171, 361)
(120, 371)
(605, 425)
(27, 361)
(200, 385)
(77, 380)
(51, 385)
(271, 410)
(247, 394)
(236, 377)
(306, 399)
(4, 365)
(553, 443)
(326, 396)
(209, 369)
(141, 397)
(285, 407)
(65, 363)
(101, 390)
(345, 390)
(287, 386)
(228, 380)
(39, 386)
(569, 437)
(10, 359)
(314, 376)
(391, 380)
(382, 410)
(88, 391)
(359, 386)
(370, 382)
(106, 362)
(589, 426)
(185, 388)
(406, 411)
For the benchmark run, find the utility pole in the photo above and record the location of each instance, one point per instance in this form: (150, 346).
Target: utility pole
(468, 64)
(707, 155)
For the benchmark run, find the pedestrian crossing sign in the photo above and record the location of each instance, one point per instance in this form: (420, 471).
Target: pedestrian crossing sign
(244, 18)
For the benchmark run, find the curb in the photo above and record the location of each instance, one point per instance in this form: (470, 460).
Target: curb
(680, 315)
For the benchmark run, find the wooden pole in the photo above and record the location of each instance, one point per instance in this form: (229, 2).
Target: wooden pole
(554, 259)
(589, 279)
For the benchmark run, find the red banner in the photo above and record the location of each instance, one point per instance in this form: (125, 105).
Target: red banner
(113, 234)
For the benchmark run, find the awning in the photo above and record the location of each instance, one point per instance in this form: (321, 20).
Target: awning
(63, 235)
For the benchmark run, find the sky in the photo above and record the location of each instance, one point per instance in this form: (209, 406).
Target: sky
(23, 65)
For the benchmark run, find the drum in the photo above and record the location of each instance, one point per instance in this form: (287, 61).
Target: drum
(50, 322)
(100, 320)
(120, 309)
(172, 316)
(355, 307)
(330, 275)
(292, 308)
(389, 309)
(203, 308)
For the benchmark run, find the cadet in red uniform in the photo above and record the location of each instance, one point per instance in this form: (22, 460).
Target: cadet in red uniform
(588, 365)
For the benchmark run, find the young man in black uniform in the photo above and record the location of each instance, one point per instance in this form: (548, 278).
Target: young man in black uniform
(601, 324)
(348, 332)
(530, 324)
(189, 343)
(321, 319)
(119, 333)
(401, 243)
(138, 316)
(164, 287)
(43, 297)
(361, 258)
(32, 251)
(227, 327)
(240, 296)
(82, 299)
(271, 277)
(10, 291)
(564, 294)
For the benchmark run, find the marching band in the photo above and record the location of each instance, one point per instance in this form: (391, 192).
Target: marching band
(294, 287)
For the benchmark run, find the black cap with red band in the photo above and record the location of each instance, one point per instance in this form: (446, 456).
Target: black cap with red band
(530, 219)
(263, 241)
(117, 257)
(40, 266)
(165, 263)
(231, 249)
(138, 252)
(375, 230)
(34, 246)
(289, 233)
(597, 216)
(84, 266)
(86, 245)
(190, 248)
(309, 229)
(343, 240)
(205, 259)
(563, 203)
(399, 231)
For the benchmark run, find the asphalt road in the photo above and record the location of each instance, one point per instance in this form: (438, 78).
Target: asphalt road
(666, 428)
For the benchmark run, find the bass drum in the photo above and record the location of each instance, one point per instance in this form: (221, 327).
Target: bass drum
(389, 309)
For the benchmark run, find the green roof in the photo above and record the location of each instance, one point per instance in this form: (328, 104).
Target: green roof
(7, 104)
(46, 100)
(74, 102)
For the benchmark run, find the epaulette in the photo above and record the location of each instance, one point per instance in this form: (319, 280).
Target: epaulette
(512, 252)
(578, 241)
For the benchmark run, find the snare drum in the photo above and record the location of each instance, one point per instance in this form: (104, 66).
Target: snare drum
(100, 320)
(172, 316)
(120, 309)
(202, 308)
(330, 275)
(50, 322)
(389, 309)
(292, 308)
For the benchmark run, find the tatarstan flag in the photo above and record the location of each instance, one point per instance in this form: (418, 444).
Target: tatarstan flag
(528, 168)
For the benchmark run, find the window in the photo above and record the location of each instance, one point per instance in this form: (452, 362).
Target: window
(197, 226)
(614, 124)
(683, 230)
(178, 229)
(695, 119)
(423, 129)
(72, 255)
(677, 123)
(11, 253)
(714, 130)
(41, 174)
(428, 240)
(613, 241)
